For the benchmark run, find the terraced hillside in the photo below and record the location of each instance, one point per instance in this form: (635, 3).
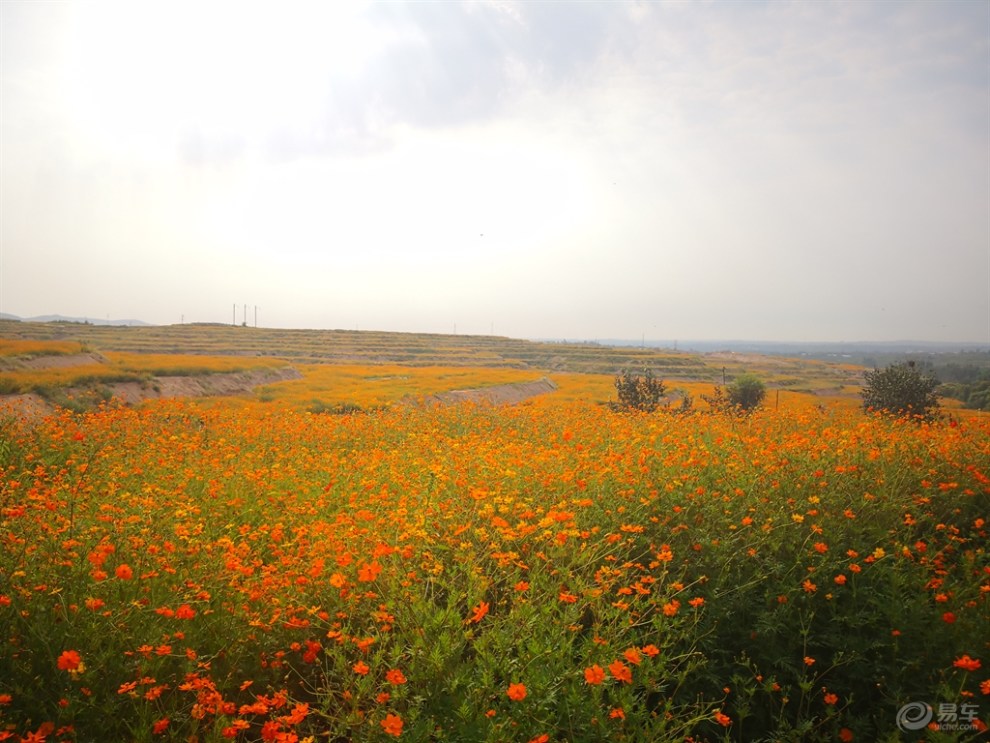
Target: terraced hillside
(422, 349)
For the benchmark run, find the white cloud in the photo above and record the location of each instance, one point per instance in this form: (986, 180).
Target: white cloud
(781, 170)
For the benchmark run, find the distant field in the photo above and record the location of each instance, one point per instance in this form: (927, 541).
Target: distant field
(373, 368)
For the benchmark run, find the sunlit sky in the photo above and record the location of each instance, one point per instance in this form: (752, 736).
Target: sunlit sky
(751, 170)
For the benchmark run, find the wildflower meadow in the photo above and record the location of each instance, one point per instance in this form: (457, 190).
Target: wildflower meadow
(539, 572)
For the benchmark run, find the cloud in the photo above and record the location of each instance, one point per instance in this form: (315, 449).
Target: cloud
(620, 159)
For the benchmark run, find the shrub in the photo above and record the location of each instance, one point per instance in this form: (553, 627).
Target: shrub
(339, 408)
(901, 390)
(639, 391)
(746, 392)
(9, 386)
(718, 401)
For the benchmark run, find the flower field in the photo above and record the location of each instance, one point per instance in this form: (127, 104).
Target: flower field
(543, 572)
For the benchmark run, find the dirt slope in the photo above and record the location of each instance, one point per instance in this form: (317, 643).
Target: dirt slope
(500, 394)
(210, 385)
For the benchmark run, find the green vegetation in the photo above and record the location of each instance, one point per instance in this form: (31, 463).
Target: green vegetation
(746, 393)
(479, 573)
(901, 390)
(337, 408)
(641, 392)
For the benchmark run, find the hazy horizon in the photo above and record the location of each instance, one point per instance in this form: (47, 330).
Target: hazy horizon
(767, 171)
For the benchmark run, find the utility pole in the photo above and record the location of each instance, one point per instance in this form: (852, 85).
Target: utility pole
(244, 323)
(233, 317)
(256, 316)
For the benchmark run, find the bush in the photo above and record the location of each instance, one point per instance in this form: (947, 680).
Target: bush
(338, 408)
(639, 392)
(901, 390)
(746, 393)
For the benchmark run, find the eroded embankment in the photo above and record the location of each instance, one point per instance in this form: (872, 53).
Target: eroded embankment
(130, 393)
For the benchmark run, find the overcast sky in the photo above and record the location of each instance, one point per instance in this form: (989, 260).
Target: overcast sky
(743, 170)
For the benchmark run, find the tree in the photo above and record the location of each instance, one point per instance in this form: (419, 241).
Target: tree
(639, 392)
(901, 390)
(746, 392)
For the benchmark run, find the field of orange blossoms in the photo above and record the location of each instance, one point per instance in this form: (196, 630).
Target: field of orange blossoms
(476, 573)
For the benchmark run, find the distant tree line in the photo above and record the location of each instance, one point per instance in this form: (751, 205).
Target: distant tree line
(974, 395)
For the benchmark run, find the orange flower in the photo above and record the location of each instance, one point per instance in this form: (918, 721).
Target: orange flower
(966, 663)
(540, 739)
(69, 660)
(369, 572)
(948, 617)
(651, 650)
(568, 598)
(522, 586)
(124, 571)
(517, 692)
(696, 602)
(846, 735)
(670, 608)
(808, 586)
(392, 725)
(723, 719)
(831, 698)
(633, 656)
(985, 687)
(617, 713)
(395, 676)
(364, 643)
(361, 668)
(185, 612)
(159, 727)
(479, 612)
(594, 675)
(620, 671)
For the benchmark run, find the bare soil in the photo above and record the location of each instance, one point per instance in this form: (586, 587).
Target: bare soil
(500, 394)
(130, 393)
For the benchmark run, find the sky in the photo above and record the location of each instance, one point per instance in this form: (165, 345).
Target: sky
(802, 171)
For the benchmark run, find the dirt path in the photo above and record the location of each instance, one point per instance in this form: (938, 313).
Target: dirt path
(500, 394)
